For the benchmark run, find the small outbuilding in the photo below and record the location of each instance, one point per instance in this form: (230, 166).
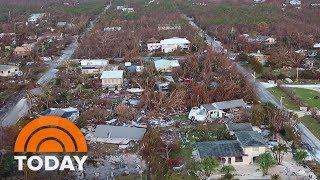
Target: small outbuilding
(113, 80)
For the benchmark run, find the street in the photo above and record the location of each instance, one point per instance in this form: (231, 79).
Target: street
(311, 142)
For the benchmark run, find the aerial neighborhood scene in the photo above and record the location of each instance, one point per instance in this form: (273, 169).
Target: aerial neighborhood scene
(160, 89)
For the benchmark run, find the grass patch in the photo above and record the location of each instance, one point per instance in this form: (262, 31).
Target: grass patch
(18, 9)
(231, 14)
(309, 97)
(286, 100)
(92, 7)
(311, 124)
(180, 117)
(4, 96)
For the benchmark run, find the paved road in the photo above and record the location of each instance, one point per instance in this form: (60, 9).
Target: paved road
(262, 92)
(308, 139)
(315, 87)
(22, 107)
(52, 71)
(311, 142)
(19, 110)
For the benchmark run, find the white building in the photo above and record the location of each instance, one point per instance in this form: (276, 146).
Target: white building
(128, 10)
(117, 134)
(112, 79)
(172, 44)
(215, 110)
(111, 29)
(167, 27)
(152, 46)
(317, 45)
(93, 66)
(8, 70)
(259, 1)
(165, 65)
(61, 24)
(125, 9)
(295, 2)
(120, 7)
(268, 40)
(33, 18)
(198, 114)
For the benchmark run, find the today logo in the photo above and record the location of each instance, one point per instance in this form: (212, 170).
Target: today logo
(50, 135)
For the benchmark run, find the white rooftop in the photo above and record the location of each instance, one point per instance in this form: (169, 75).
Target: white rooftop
(94, 62)
(175, 40)
(258, 53)
(295, 2)
(317, 45)
(34, 17)
(163, 64)
(116, 74)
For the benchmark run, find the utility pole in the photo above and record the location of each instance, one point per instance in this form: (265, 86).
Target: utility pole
(281, 102)
(297, 74)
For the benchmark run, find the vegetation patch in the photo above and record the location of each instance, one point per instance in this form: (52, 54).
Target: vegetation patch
(287, 102)
(91, 7)
(309, 97)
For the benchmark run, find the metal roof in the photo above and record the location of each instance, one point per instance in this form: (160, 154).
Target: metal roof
(239, 127)
(94, 62)
(164, 64)
(250, 138)
(208, 107)
(116, 74)
(106, 131)
(174, 40)
(65, 112)
(230, 104)
(224, 148)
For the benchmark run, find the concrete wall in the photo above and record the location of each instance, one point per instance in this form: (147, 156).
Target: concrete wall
(92, 71)
(111, 83)
(169, 48)
(153, 46)
(246, 160)
(254, 151)
(215, 114)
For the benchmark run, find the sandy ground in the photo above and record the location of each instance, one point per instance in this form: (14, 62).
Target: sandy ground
(288, 170)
